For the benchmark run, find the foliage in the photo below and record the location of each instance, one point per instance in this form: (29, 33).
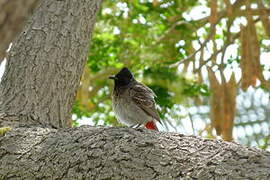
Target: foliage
(185, 50)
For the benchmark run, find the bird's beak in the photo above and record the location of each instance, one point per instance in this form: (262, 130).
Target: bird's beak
(112, 77)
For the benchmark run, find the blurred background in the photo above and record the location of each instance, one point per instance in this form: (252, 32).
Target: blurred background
(208, 61)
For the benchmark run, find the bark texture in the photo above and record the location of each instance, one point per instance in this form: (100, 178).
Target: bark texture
(124, 153)
(45, 64)
(13, 15)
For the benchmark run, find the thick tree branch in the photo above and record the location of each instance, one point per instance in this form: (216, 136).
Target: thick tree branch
(125, 153)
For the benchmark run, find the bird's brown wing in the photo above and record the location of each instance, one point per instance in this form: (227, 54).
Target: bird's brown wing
(144, 98)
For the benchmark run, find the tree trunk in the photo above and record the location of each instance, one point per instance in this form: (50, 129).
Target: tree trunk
(13, 15)
(45, 64)
(125, 153)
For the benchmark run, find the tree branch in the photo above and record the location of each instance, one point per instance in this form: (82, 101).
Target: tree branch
(124, 153)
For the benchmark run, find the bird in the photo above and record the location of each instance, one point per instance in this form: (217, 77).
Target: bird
(133, 102)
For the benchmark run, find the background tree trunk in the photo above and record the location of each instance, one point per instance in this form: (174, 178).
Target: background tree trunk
(124, 153)
(13, 15)
(45, 64)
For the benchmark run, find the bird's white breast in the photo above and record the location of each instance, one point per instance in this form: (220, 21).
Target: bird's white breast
(127, 112)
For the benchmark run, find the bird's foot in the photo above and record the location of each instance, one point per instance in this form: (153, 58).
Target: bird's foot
(135, 126)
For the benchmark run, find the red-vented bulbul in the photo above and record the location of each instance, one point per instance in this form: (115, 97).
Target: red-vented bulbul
(133, 102)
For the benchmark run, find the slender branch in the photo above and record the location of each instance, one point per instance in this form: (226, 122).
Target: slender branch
(192, 124)
(221, 14)
(210, 35)
(234, 37)
(178, 23)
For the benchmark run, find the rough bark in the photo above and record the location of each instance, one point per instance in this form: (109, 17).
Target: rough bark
(45, 64)
(13, 15)
(124, 153)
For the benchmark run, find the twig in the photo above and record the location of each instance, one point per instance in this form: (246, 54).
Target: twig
(192, 125)
(211, 33)
(172, 28)
(221, 14)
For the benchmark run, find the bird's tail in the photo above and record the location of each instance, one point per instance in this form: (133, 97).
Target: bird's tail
(151, 125)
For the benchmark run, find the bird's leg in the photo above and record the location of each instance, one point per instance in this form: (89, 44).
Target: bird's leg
(135, 126)
(138, 125)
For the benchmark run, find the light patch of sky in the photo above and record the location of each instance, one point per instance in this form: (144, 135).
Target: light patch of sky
(196, 45)
(162, 16)
(197, 12)
(166, 5)
(3, 63)
(122, 7)
(106, 11)
(265, 60)
(87, 121)
(180, 43)
(135, 21)
(116, 31)
(140, 20)
(235, 28)
(2, 68)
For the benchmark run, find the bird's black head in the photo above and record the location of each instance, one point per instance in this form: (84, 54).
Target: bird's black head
(123, 77)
